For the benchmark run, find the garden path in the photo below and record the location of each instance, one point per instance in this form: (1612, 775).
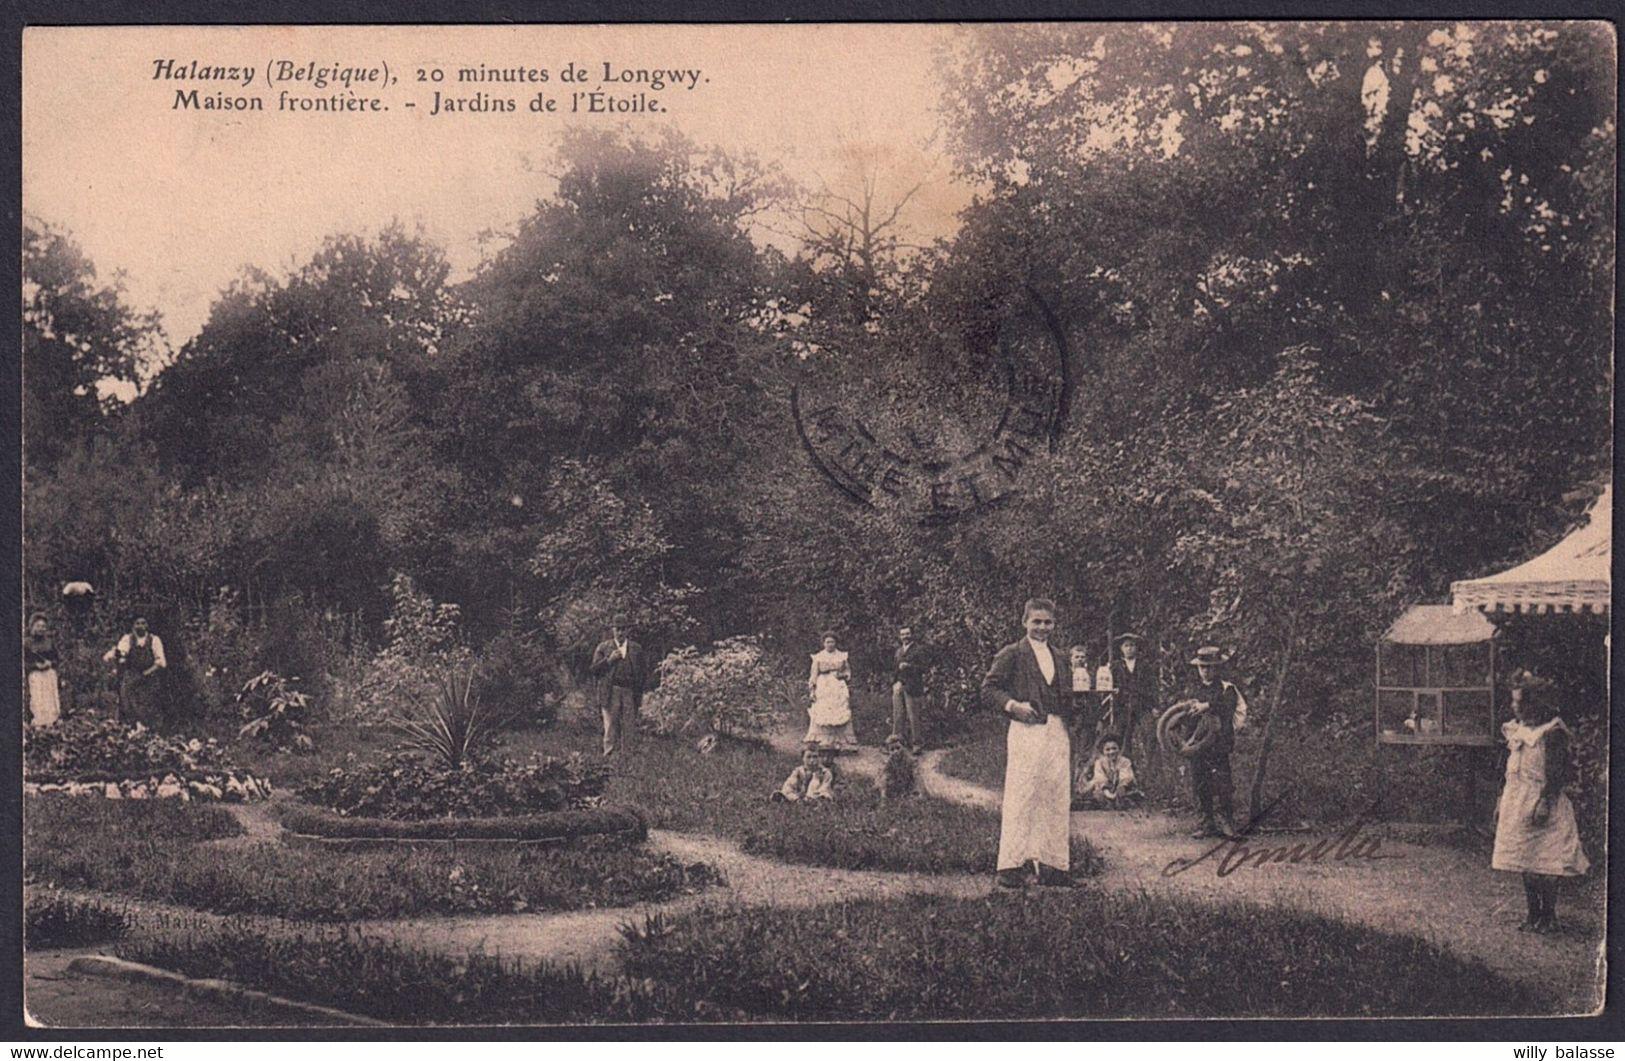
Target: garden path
(1433, 890)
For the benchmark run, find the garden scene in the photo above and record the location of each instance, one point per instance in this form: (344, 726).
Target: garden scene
(421, 645)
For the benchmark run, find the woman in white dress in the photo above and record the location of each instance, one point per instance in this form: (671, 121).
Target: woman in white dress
(39, 652)
(830, 716)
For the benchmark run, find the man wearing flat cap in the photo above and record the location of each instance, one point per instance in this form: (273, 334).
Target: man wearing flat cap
(1210, 767)
(618, 665)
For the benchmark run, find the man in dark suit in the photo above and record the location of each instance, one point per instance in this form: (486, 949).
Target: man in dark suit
(1031, 683)
(1134, 690)
(908, 691)
(618, 664)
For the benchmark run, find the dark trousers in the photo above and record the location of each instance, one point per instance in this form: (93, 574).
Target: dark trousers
(905, 703)
(619, 713)
(1210, 778)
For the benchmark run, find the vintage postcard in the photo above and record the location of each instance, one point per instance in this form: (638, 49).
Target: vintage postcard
(550, 525)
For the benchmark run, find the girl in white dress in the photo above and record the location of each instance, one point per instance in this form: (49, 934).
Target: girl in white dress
(830, 716)
(1535, 831)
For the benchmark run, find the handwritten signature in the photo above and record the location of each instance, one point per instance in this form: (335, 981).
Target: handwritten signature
(1232, 853)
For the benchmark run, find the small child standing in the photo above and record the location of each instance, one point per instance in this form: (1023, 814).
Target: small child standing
(1111, 777)
(813, 779)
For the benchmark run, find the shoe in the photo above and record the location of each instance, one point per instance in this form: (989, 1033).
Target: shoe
(1226, 828)
(1050, 877)
(1205, 830)
(1529, 925)
(1547, 926)
(1011, 878)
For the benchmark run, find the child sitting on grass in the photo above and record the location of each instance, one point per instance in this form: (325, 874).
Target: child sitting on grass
(1109, 780)
(813, 779)
(897, 778)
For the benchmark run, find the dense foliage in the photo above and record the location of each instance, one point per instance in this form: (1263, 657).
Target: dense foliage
(89, 749)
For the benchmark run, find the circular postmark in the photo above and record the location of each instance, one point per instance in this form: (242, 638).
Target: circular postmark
(962, 440)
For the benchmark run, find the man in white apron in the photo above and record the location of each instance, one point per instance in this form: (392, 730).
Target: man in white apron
(1031, 683)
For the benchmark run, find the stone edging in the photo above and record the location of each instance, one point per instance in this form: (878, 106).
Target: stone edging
(223, 990)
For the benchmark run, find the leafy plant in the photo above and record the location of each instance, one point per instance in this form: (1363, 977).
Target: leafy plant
(275, 711)
(453, 727)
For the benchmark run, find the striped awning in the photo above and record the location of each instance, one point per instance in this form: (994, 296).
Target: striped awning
(1571, 576)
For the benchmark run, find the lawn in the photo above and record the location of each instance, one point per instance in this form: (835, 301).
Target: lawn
(727, 792)
(1081, 954)
(158, 851)
(1049, 955)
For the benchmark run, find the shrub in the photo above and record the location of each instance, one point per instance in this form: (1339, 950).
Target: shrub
(556, 825)
(405, 787)
(274, 712)
(422, 644)
(224, 648)
(51, 919)
(732, 690)
(518, 678)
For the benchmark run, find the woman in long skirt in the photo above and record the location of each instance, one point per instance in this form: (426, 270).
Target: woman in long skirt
(830, 716)
(1535, 830)
(39, 657)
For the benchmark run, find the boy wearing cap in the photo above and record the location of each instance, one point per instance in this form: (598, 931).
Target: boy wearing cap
(618, 664)
(1134, 689)
(1210, 768)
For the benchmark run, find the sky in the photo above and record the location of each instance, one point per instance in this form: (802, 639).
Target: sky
(181, 199)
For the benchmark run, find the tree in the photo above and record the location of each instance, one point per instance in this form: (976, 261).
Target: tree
(82, 342)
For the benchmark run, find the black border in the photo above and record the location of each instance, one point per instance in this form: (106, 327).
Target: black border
(20, 13)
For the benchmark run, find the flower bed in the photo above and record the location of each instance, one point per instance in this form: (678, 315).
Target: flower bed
(405, 787)
(114, 760)
(557, 825)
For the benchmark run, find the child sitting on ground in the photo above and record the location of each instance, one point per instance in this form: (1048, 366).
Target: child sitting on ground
(897, 776)
(813, 779)
(1110, 780)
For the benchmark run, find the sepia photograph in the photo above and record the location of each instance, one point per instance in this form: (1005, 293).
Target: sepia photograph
(815, 524)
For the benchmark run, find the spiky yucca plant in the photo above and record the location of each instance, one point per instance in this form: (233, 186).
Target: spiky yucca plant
(454, 725)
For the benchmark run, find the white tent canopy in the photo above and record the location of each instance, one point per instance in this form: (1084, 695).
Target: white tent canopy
(1572, 575)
